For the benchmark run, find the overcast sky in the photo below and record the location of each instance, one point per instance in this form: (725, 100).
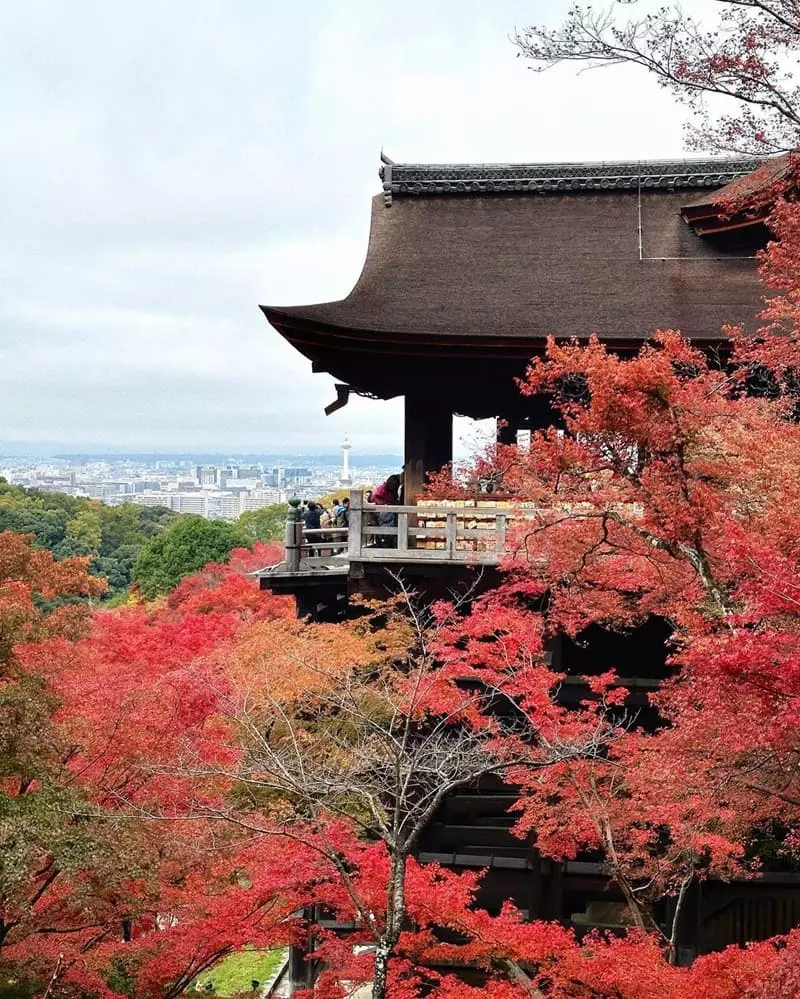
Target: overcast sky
(167, 165)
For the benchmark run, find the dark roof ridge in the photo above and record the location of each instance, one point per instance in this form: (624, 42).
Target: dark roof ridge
(560, 178)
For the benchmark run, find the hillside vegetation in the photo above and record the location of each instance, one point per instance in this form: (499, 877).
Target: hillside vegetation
(69, 525)
(151, 546)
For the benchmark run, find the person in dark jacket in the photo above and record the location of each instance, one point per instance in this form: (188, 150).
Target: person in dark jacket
(343, 513)
(312, 516)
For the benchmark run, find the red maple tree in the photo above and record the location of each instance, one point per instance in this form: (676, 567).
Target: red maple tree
(110, 881)
(669, 492)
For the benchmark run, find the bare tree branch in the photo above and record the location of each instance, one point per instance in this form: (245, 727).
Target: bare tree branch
(747, 57)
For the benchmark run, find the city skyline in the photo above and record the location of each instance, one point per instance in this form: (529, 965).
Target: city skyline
(223, 490)
(49, 449)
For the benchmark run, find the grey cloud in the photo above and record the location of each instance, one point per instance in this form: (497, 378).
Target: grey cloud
(166, 166)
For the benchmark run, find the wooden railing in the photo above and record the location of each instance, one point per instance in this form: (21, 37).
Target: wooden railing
(429, 531)
(307, 548)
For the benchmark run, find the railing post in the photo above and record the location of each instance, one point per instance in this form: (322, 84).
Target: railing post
(293, 536)
(354, 540)
(402, 532)
(452, 533)
(500, 542)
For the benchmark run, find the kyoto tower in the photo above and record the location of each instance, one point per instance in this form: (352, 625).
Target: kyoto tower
(346, 479)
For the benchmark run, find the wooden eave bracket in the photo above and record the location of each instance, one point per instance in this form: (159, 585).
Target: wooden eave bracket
(341, 400)
(708, 220)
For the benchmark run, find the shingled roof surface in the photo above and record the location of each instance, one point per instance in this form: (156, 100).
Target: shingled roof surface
(527, 251)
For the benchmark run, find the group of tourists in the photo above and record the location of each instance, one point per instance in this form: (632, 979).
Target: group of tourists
(318, 517)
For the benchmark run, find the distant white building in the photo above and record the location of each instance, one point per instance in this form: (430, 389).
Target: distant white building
(152, 499)
(231, 505)
(207, 475)
(260, 498)
(213, 504)
(190, 503)
(222, 506)
(196, 503)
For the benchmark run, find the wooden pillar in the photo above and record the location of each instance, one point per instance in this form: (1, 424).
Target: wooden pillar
(534, 886)
(554, 891)
(294, 537)
(298, 970)
(356, 522)
(301, 971)
(428, 441)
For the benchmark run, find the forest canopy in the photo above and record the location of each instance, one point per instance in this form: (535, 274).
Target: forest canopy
(68, 526)
(113, 537)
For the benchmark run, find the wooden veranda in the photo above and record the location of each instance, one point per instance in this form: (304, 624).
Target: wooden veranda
(446, 539)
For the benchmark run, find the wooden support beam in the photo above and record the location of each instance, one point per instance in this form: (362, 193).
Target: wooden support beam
(500, 535)
(356, 522)
(554, 897)
(402, 532)
(428, 442)
(452, 531)
(534, 886)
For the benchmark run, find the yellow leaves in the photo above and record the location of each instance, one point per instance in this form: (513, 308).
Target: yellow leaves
(283, 659)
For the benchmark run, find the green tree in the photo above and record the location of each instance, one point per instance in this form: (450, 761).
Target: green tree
(84, 530)
(120, 525)
(117, 567)
(266, 524)
(27, 511)
(183, 548)
(124, 529)
(130, 524)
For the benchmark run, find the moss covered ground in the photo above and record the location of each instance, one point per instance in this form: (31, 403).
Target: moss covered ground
(234, 975)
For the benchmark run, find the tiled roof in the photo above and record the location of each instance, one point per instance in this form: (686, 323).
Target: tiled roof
(558, 178)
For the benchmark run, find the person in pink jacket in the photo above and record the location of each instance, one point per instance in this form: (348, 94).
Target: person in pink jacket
(387, 494)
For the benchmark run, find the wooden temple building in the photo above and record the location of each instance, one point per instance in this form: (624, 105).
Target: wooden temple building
(468, 270)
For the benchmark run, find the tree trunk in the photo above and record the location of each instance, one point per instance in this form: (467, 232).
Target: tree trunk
(636, 910)
(395, 916)
(379, 982)
(396, 901)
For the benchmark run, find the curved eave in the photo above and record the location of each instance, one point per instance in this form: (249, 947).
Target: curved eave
(312, 336)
